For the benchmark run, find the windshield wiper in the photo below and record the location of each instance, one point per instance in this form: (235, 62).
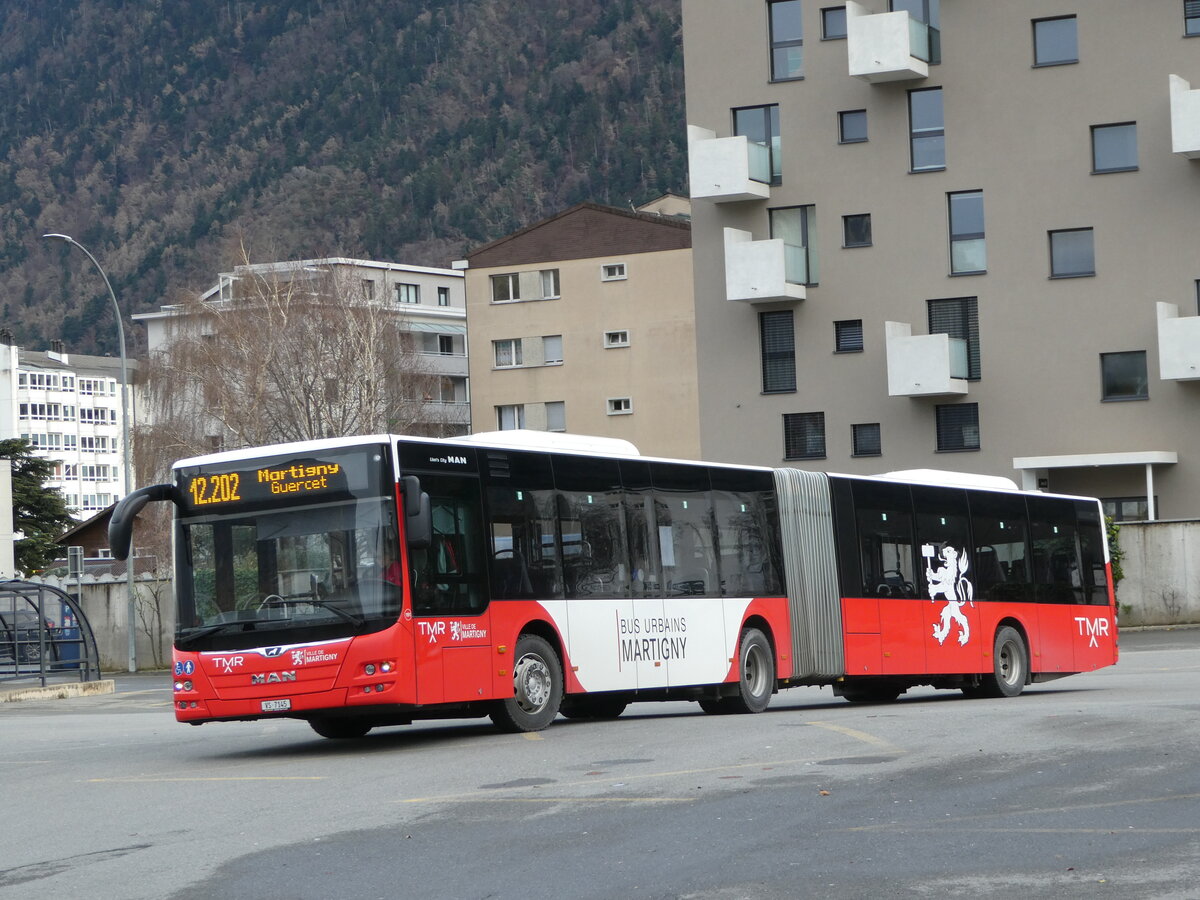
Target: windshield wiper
(205, 631)
(276, 600)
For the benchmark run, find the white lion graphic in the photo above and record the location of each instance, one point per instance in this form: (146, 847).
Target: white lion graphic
(950, 582)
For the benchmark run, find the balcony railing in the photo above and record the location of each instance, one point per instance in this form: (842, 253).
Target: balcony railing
(1178, 344)
(1185, 117)
(728, 169)
(924, 365)
(884, 47)
(763, 271)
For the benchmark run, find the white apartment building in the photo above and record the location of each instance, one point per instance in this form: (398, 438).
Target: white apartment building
(68, 406)
(429, 302)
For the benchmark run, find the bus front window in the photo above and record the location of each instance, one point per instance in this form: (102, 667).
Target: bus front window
(320, 567)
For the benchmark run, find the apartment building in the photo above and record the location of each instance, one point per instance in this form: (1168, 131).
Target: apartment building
(583, 322)
(429, 304)
(951, 235)
(68, 407)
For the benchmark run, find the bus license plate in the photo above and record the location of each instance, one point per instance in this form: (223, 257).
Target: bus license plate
(276, 705)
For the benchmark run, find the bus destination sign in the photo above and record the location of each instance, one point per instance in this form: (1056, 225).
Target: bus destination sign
(294, 479)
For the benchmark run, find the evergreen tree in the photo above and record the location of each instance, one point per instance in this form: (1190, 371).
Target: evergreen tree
(38, 511)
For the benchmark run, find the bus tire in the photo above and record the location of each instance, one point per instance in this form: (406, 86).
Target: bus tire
(1010, 665)
(537, 688)
(586, 706)
(339, 729)
(756, 674)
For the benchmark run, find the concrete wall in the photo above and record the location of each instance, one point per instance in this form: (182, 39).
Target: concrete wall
(105, 604)
(1162, 573)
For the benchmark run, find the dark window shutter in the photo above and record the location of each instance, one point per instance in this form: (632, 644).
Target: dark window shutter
(778, 351)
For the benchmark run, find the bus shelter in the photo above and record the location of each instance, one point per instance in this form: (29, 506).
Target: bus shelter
(44, 635)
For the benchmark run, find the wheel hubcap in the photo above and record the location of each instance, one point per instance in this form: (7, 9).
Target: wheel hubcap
(532, 681)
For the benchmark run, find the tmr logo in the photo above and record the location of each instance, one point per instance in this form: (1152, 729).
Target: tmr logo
(1093, 628)
(272, 677)
(432, 630)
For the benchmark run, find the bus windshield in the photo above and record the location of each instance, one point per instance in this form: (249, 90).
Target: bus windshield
(309, 573)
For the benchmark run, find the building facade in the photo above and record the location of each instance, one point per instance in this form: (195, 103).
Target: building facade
(583, 322)
(951, 235)
(68, 407)
(429, 304)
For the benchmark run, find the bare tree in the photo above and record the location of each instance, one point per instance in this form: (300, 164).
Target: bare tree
(290, 353)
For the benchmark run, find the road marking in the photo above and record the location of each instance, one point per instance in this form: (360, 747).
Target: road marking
(532, 736)
(466, 799)
(857, 735)
(150, 779)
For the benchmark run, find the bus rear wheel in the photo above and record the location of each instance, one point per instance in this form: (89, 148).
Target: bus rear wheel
(1010, 667)
(537, 688)
(339, 729)
(756, 674)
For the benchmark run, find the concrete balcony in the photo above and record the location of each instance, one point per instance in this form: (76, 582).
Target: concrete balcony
(442, 364)
(885, 47)
(1185, 117)
(924, 365)
(727, 170)
(763, 271)
(1178, 344)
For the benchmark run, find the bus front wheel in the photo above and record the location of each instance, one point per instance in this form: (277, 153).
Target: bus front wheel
(537, 688)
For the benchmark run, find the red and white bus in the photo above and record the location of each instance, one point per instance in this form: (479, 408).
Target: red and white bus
(372, 581)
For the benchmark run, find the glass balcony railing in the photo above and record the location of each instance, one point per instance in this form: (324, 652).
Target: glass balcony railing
(795, 264)
(959, 366)
(918, 39)
(759, 161)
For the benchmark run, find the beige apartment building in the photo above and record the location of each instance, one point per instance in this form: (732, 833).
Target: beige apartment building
(583, 322)
(956, 235)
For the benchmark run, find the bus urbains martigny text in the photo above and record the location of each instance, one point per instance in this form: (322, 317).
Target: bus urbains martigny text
(372, 581)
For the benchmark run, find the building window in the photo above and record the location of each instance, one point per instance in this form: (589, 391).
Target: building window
(856, 230)
(408, 293)
(852, 126)
(968, 250)
(556, 416)
(848, 336)
(865, 439)
(1072, 253)
(507, 353)
(510, 417)
(787, 40)
(1114, 148)
(1055, 41)
(552, 349)
(616, 339)
(1198, 296)
(957, 427)
(445, 345)
(1127, 509)
(927, 130)
(549, 283)
(928, 14)
(506, 287)
(1123, 376)
(443, 296)
(368, 288)
(796, 226)
(833, 23)
(620, 406)
(778, 341)
(958, 317)
(1191, 18)
(613, 272)
(760, 126)
(804, 435)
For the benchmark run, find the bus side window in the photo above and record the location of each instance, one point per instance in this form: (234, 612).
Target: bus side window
(1055, 554)
(943, 539)
(885, 539)
(745, 549)
(525, 550)
(1091, 551)
(645, 576)
(591, 524)
(1001, 532)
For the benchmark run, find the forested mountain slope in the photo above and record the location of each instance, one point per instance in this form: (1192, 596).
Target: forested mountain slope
(166, 136)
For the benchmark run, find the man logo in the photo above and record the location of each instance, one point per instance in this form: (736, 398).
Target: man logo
(273, 651)
(272, 677)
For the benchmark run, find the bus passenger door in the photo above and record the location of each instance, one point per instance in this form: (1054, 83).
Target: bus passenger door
(452, 623)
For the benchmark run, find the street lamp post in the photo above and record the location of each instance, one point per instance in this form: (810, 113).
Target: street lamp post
(130, 610)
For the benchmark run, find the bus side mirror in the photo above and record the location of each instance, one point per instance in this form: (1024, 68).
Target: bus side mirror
(120, 526)
(418, 517)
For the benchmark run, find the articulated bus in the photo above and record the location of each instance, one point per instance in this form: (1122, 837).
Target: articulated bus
(373, 581)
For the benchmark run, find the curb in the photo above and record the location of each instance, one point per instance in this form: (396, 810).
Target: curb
(58, 691)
